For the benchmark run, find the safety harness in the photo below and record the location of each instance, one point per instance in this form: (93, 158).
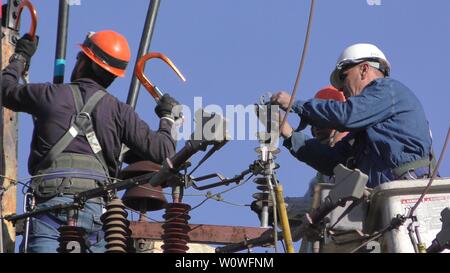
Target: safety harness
(421, 168)
(70, 173)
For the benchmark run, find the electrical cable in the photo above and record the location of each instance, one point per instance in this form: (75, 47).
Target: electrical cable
(209, 196)
(433, 176)
(302, 62)
(371, 238)
(234, 204)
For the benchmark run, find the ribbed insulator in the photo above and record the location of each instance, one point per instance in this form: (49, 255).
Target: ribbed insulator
(176, 228)
(71, 239)
(263, 197)
(116, 227)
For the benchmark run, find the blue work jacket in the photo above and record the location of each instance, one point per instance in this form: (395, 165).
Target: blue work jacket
(387, 126)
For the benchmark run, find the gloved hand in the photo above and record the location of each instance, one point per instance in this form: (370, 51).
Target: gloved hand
(26, 47)
(166, 106)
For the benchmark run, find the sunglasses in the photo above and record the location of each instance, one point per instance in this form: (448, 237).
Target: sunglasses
(343, 76)
(344, 69)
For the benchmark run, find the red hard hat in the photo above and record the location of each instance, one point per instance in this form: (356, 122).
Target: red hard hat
(109, 50)
(330, 93)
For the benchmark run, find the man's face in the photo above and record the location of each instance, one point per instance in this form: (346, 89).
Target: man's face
(353, 79)
(323, 134)
(79, 65)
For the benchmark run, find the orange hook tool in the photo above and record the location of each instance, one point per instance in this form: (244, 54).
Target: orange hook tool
(151, 88)
(34, 17)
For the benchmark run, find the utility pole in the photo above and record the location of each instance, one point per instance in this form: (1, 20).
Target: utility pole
(9, 132)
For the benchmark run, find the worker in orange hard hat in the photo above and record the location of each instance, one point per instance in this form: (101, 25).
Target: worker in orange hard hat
(297, 206)
(109, 50)
(79, 132)
(324, 135)
(104, 55)
(327, 135)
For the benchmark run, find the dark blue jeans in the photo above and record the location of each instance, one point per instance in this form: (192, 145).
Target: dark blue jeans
(43, 236)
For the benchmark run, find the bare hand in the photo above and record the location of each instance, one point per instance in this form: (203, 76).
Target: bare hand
(286, 130)
(282, 99)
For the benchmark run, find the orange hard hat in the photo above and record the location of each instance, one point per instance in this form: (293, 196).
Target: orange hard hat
(330, 93)
(109, 50)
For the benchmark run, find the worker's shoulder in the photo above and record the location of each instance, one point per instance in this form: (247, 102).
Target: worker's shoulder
(48, 92)
(114, 104)
(390, 83)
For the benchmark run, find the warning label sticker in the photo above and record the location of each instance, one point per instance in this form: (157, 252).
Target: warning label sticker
(425, 199)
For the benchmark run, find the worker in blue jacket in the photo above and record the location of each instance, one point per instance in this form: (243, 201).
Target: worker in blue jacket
(389, 135)
(79, 129)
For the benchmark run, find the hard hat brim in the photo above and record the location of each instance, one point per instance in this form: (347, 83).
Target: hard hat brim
(115, 71)
(335, 81)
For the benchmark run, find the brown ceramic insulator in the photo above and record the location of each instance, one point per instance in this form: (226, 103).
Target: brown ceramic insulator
(116, 227)
(176, 228)
(139, 168)
(145, 197)
(69, 235)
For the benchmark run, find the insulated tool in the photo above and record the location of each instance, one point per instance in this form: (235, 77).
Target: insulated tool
(34, 18)
(32, 31)
(151, 88)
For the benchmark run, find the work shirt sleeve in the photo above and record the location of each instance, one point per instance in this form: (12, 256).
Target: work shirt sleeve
(319, 156)
(375, 104)
(145, 143)
(20, 97)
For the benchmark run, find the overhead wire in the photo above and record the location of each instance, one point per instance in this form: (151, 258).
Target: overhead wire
(302, 62)
(208, 197)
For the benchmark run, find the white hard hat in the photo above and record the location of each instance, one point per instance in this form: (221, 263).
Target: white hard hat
(358, 53)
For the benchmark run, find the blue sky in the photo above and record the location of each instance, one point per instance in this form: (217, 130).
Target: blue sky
(232, 52)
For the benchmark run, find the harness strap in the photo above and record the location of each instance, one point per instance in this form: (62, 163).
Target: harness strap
(76, 97)
(81, 125)
(413, 165)
(74, 173)
(66, 181)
